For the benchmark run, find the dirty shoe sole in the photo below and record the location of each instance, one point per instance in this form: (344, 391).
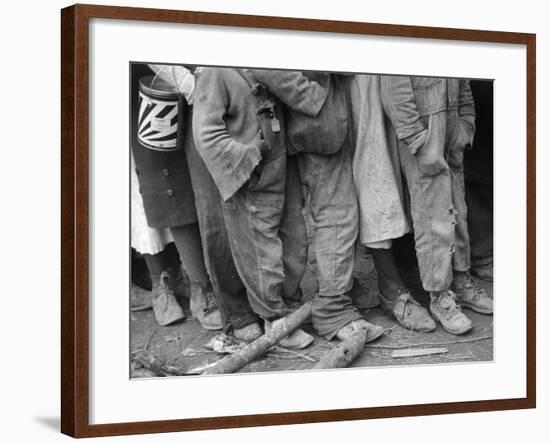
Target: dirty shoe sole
(374, 332)
(475, 308)
(453, 332)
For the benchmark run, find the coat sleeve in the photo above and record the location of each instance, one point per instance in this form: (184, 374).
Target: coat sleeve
(230, 162)
(294, 89)
(400, 106)
(466, 108)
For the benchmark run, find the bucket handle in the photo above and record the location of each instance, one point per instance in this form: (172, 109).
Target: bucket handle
(174, 79)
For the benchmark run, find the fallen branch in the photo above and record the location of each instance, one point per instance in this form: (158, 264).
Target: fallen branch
(427, 344)
(345, 352)
(237, 360)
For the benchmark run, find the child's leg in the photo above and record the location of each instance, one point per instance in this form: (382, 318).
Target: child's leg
(188, 243)
(202, 302)
(335, 224)
(228, 288)
(432, 210)
(252, 218)
(293, 235)
(390, 283)
(468, 292)
(157, 263)
(455, 159)
(165, 305)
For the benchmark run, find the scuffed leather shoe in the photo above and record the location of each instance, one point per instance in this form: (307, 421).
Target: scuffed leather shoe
(296, 340)
(445, 310)
(204, 308)
(409, 313)
(165, 305)
(373, 331)
(470, 295)
(248, 333)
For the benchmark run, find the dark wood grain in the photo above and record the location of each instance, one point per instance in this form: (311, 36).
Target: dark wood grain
(75, 219)
(67, 227)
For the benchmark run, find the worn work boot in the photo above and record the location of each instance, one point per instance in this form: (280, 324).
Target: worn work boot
(408, 312)
(445, 310)
(204, 308)
(249, 332)
(296, 340)
(165, 305)
(470, 295)
(373, 331)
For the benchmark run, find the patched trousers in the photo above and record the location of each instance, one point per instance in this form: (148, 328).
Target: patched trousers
(437, 201)
(229, 290)
(267, 235)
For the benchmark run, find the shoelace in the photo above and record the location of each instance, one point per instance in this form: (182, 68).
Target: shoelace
(211, 304)
(408, 300)
(470, 283)
(448, 303)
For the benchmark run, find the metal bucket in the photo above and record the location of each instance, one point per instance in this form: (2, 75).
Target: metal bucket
(161, 115)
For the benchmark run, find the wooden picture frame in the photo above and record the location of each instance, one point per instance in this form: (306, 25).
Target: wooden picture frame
(75, 219)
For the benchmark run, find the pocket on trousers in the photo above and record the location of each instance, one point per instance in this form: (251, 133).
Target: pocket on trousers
(430, 157)
(272, 176)
(459, 141)
(425, 82)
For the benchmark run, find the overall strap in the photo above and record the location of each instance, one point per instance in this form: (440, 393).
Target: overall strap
(256, 88)
(249, 79)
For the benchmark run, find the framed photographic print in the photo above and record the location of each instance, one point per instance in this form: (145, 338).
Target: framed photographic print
(288, 220)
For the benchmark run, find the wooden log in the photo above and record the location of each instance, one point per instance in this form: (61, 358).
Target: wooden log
(345, 352)
(237, 360)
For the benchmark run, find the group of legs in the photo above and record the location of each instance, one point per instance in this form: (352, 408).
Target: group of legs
(246, 254)
(437, 200)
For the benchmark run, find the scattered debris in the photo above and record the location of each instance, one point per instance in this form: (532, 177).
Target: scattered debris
(147, 360)
(459, 357)
(252, 351)
(150, 339)
(142, 373)
(224, 344)
(295, 353)
(428, 344)
(414, 352)
(201, 369)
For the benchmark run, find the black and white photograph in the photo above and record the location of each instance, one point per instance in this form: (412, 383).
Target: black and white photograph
(275, 221)
(302, 220)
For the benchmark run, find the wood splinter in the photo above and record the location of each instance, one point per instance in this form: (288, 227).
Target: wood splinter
(414, 352)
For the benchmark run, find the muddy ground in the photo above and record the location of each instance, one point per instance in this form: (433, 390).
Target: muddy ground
(180, 348)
